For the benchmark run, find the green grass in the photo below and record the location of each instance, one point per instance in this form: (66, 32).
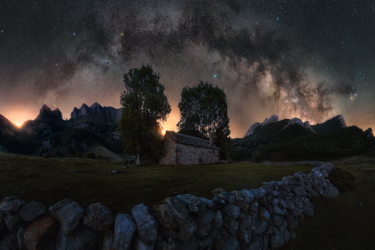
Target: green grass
(49, 180)
(339, 223)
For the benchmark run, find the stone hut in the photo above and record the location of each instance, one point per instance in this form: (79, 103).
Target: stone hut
(182, 149)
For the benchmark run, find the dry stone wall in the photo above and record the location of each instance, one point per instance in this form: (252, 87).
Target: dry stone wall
(264, 218)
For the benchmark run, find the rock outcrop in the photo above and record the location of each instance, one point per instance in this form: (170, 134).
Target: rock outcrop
(340, 119)
(307, 125)
(299, 122)
(108, 113)
(272, 119)
(329, 126)
(252, 128)
(369, 132)
(46, 113)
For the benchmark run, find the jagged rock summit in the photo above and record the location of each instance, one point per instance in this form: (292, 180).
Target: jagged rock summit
(251, 129)
(108, 113)
(340, 119)
(46, 113)
(298, 121)
(369, 132)
(273, 118)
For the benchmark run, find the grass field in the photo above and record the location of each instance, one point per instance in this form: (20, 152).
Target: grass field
(340, 223)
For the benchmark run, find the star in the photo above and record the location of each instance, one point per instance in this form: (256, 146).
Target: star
(2, 31)
(74, 34)
(122, 34)
(277, 19)
(355, 94)
(214, 75)
(106, 60)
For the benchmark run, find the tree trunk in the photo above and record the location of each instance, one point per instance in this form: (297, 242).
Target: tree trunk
(138, 160)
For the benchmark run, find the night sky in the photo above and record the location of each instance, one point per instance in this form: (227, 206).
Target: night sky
(309, 59)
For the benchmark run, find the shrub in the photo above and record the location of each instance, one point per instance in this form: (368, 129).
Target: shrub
(78, 155)
(70, 156)
(45, 156)
(91, 156)
(342, 180)
(99, 157)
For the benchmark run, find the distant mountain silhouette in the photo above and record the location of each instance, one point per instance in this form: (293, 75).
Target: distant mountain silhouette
(294, 138)
(90, 129)
(13, 139)
(330, 125)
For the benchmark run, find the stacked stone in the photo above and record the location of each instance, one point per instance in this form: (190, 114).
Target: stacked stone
(261, 218)
(248, 219)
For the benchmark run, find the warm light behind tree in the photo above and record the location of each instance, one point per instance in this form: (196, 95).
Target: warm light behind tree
(145, 105)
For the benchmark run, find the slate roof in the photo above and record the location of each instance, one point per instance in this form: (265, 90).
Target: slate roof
(190, 140)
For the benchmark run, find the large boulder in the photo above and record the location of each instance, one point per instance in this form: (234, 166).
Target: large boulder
(20, 233)
(231, 224)
(40, 232)
(125, 228)
(98, 217)
(32, 210)
(232, 244)
(277, 239)
(231, 210)
(191, 202)
(256, 243)
(9, 242)
(331, 192)
(207, 203)
(13, 222)
(264, 214)
(208, 216)
(68, 213)
(173, 224)
(108, 241)
(11, 204)
(81, 238)
(244, 229)
(147, 226)
(221, 237)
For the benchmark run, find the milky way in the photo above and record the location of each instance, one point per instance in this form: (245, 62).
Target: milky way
(303, 59)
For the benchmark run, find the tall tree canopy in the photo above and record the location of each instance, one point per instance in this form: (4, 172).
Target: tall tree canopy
(203, 110)
(144, 106)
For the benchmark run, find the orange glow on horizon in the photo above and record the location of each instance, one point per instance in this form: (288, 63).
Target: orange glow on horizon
(18, 117)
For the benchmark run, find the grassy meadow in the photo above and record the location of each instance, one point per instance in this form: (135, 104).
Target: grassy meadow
(340, 223)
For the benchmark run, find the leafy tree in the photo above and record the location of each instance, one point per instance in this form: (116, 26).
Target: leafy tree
(203, 110)
(144, 105)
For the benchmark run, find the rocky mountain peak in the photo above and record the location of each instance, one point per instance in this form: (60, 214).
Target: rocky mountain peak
(369, 132)
(272, 119)
(299, 122)
(109, 113)
(251, 129)
(46, 113)
(339, 118)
